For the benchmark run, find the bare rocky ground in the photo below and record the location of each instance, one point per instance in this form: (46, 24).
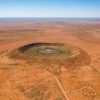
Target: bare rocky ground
(22, 80)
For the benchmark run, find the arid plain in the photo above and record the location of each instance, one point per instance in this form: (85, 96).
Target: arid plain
(45, 77)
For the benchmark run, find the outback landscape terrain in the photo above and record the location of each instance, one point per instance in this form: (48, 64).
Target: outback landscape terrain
(49, 59)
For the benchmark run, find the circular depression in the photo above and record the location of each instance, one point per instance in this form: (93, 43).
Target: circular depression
(50, 50)
(47, 54)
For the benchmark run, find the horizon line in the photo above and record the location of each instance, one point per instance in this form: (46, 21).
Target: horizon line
(48, 17)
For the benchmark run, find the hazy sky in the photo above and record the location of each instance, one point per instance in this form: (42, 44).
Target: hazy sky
(49, 8)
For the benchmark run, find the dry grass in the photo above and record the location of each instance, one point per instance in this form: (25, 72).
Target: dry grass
(32, 79)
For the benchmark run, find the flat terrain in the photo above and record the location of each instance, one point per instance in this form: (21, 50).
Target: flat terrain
(27, 78)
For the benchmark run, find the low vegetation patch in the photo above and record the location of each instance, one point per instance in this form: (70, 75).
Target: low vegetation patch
(6, 39)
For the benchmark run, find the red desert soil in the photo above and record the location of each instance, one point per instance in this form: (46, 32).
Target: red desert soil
(20, 80)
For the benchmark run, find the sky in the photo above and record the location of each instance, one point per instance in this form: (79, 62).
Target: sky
(49, 8)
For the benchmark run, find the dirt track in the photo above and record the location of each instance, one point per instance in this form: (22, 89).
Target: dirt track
(22, 81)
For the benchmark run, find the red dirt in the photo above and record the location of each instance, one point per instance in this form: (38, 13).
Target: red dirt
(21, 81)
